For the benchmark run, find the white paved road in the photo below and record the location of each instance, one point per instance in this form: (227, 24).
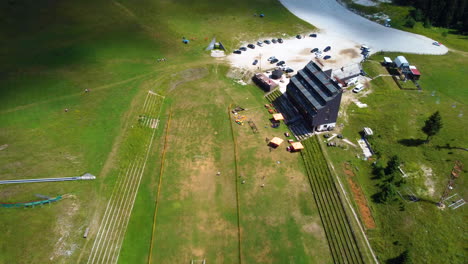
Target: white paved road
(334, 19)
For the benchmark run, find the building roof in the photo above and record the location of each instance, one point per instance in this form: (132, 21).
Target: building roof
(276, 141)
(315, 85)
(297, 145)
(414, 70)
(264, 79)
(278, 117)
(387, 60)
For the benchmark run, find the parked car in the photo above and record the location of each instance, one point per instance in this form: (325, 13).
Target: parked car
(298, 36)
(266, 41)
(273, 40)
(358, 88)
(255, 62)
(271, 58)
(327, 57)
(280, 63)
(313, 35)
(243, 48)
(259, 43)
(288, 70)
(436, 43)
(237, 52)
(328, 48)
(275, 60)
(314, 50)
(280, 40)
(252, 46)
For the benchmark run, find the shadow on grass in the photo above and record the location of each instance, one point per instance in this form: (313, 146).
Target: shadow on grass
(411, 142)
(448, 146)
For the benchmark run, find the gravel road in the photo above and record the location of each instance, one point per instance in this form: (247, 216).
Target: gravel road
(334, 19)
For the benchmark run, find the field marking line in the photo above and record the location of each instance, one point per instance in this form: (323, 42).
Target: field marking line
(350, 206)
(146, 99)
(146, 109)
(161, 171)
(126, 212)
(106, 215)
(104, 223)
(121, 203)
(153, 102)
(236, 172)
(141, 176)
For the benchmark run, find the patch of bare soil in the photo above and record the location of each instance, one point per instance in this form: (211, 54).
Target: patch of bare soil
(428, 181)
(352, 53)
(64, 227)
(4, 146)
(187, 76)
(360, 199)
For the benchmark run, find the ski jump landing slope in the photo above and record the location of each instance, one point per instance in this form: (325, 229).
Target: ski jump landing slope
(334, 19)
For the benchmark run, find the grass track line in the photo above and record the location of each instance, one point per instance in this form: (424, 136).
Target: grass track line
(352, 209)
(161, 171)
(127, 188)
(108, 221)
(236, 170)
(106, 215)
(141, 176)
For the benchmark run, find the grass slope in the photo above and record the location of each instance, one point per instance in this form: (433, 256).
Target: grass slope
(396, 116)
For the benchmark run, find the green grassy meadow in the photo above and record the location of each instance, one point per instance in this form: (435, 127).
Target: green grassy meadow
(53, 50)
(396, 116)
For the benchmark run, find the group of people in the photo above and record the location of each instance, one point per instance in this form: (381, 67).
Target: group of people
(162, 59)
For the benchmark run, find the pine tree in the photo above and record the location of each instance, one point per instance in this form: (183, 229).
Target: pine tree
(432, 125)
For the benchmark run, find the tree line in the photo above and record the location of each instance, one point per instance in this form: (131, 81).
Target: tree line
(443, 13)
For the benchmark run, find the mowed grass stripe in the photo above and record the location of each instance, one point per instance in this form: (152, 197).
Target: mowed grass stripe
(329, 213)
(110, 236)
(342, 241)
(108, 212)
(330, 186)
(339, 203)
(330, 235)
(119, 205)
(334, 212)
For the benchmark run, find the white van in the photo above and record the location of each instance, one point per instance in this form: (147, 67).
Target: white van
(358, 88)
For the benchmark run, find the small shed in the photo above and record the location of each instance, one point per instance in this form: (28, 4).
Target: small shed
(278, 117)
(264, 82)
(401, 62)
(387, 61)
(275, 142)
(296, 146)
(415, 73)
(276, 74)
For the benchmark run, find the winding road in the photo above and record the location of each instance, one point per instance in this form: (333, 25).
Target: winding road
(334, 19)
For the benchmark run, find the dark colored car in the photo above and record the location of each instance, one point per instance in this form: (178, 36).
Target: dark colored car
(280, 40)
(274, 61)
(255, 62)
(298, 36)
(327, 49)
(313, 35)
(314, 50)
(266, 41)
(273, 40)
(327, 57)
(243, 48)
(280, 63)
(288, 70)
(252, 46)
(237, 52)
